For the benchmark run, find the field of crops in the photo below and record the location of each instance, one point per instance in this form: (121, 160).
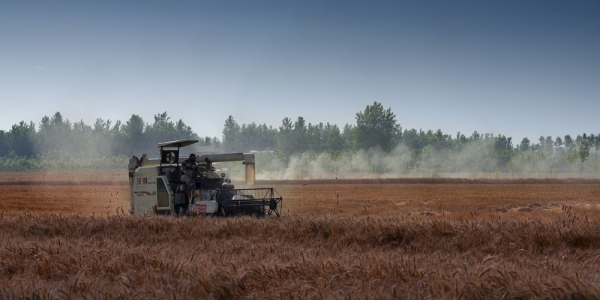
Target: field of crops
(67, 235)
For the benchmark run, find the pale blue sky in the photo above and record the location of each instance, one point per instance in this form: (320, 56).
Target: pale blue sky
(519, 68)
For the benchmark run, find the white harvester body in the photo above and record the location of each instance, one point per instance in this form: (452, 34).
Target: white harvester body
(155, 186)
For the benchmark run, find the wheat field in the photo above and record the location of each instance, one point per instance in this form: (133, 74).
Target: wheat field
(357, 240)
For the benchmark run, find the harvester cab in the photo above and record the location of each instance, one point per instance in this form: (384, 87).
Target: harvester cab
(155, 186)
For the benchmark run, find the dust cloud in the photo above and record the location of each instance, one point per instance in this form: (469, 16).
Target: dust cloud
(474, 160)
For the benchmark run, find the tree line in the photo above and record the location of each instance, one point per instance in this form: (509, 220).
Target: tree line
(58, 143)
(61, 144)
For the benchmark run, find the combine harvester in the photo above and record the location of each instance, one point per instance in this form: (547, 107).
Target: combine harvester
(155, 186)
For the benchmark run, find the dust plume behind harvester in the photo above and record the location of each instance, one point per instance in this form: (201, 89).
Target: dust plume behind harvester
(155, 186)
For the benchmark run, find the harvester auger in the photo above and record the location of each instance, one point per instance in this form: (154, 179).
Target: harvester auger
(155, 186)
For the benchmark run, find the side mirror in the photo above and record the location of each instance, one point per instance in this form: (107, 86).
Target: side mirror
(222, 175)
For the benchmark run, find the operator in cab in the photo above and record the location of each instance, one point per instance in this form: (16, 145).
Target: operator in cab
(188, 167)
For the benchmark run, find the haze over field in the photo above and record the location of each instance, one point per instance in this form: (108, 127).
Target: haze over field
(522, 69)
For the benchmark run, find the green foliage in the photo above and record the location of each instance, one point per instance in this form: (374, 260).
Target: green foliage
(285, 143)
(584, 151)
(503, 149)
(376, 127)
(414, 139)
(571, 156)
(524, 145)
(569, 143)
(231, 133)
(17, 163)
(56, 161)
(375, 144)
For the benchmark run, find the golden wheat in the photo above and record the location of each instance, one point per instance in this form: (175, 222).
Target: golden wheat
(450, 238)
(55, 256)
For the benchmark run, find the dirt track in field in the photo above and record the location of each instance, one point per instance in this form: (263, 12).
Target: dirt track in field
(107, 193)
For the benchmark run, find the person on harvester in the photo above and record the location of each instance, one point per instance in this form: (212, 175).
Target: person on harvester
(188, 167)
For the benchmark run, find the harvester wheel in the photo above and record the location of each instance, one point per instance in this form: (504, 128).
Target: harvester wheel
(273, 207)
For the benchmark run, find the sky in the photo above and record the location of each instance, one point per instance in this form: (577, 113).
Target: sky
(518, 68)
